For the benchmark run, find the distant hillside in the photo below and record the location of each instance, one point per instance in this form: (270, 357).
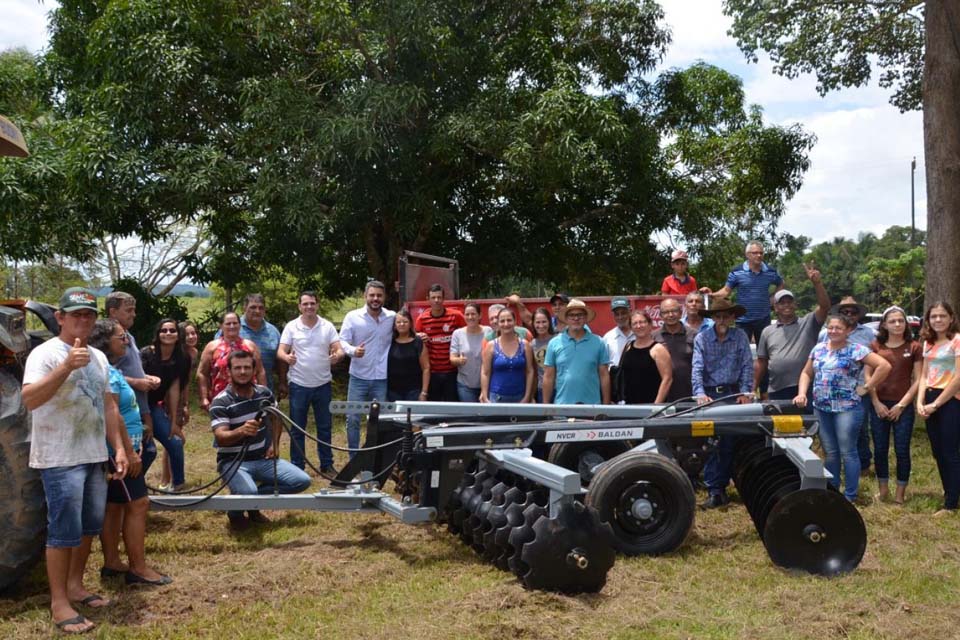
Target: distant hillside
(179, 291)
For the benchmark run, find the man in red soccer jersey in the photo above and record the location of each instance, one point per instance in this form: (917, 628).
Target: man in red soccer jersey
(438, 323)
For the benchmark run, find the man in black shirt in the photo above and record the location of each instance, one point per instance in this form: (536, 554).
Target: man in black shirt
(678, 339)
(233, 418)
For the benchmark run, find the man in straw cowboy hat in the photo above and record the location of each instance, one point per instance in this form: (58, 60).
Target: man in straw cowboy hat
(722, 367)
(576, 361)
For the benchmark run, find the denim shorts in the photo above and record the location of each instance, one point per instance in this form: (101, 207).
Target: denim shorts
(76, 501)
(127, 490)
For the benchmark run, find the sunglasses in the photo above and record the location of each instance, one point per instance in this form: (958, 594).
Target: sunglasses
(168, 330)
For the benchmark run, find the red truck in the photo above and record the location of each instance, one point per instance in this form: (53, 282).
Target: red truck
(419, 270)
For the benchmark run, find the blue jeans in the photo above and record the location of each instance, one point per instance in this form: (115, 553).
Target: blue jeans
(256, 477)
(301, 399)
(499, 397)
(902, 432)
(863, 439)
(467, 394)
(360, 390)
(717, 468)
(173, 445)
(400, 396)
(76, 501)
(148, 454)
(943, 428)
(838, 435)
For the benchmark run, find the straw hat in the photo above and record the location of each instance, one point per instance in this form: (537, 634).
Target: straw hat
(11, 140)
(724, 305)
(578, 305)
(848, 301)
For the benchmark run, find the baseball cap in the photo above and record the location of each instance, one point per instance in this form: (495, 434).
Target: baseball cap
(783, 293)
(562, 297)
(619, 303)
(77, 298)
(679, 254)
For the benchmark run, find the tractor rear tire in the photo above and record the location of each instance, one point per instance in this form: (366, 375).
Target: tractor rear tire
(23, 509)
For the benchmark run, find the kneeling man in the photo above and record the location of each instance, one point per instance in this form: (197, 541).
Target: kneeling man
(233, 416)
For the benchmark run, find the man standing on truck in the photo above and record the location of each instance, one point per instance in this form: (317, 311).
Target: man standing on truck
(438, 323)
(679, 282)
(752, 280)
(74, 415)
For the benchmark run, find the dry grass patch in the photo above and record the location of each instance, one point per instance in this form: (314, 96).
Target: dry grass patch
(312, 575)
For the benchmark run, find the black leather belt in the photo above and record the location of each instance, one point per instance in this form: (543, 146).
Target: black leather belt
(724, 389)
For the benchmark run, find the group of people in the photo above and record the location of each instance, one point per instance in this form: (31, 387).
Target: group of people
(91, 387)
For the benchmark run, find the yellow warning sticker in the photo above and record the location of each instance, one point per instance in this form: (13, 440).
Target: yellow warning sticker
(701, 428)
(787, 424)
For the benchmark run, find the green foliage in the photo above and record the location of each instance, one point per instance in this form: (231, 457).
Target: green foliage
(323, 139)
(150, 309)
(877, 271)
(43, 281)
(838, 41)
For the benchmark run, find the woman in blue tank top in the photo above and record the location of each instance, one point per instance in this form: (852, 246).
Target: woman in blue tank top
(507, 373)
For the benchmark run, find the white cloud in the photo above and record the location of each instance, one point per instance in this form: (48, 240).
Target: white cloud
(859, 180)
(23, 23)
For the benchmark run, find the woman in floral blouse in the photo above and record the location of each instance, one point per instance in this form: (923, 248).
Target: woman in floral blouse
(834, 368)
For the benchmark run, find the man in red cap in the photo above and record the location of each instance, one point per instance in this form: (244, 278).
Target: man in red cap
(679, 283)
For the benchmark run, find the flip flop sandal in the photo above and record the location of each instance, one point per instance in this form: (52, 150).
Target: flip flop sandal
(94, 597)
(63, 624)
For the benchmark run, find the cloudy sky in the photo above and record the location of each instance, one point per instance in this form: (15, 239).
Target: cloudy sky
(859, 178)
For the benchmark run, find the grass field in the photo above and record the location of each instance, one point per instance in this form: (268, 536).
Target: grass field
(314, 575)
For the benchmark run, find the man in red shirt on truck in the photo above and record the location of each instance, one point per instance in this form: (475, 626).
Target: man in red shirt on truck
(679, 282)
(438, 324)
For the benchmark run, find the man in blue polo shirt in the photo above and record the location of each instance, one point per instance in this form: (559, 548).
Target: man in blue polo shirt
(576, 360)
(752, 280)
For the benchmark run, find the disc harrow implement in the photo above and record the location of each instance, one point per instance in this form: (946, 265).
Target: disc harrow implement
(605, 479)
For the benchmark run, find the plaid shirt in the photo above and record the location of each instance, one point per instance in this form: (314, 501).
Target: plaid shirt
(718, 363)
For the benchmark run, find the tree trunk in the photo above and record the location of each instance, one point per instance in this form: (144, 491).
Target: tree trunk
(941, 141)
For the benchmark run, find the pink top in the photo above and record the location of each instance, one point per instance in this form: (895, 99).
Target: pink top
(941, 362)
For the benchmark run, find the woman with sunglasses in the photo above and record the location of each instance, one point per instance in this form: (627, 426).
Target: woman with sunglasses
(213, 373)
(166, 359)
(127, 502)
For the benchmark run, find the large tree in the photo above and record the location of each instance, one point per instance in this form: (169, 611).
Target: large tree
(916, 44)
(522, 138)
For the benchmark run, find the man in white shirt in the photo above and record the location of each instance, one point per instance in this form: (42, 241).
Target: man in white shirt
(366, 335)
(618, 337)
(309, 345)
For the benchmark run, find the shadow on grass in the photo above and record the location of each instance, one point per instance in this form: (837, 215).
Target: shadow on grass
(371, 539)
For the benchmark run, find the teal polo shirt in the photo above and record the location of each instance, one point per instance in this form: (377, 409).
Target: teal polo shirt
(576, 362)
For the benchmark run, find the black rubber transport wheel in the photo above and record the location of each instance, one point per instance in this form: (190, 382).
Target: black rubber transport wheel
(582, 457)
(647, 500)
(23, 510)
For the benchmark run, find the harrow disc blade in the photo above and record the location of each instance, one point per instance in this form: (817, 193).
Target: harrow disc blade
(817, 531)
(569, 553)
(521, 535)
